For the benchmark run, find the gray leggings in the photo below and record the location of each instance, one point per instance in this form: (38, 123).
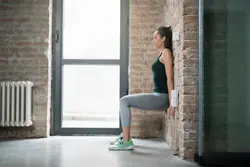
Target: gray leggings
(143, 101)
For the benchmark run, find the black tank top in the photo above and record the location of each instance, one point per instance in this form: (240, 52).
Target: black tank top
(159, 76)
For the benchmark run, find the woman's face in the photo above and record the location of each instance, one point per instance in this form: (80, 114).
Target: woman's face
(157, 40)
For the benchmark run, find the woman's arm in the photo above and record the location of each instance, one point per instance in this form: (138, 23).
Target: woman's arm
(167, 60)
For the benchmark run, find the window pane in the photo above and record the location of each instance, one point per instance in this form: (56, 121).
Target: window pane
(227, 76)
(91, 96)
(91, 29)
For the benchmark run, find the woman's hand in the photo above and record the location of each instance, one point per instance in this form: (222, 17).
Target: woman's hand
(171, 111)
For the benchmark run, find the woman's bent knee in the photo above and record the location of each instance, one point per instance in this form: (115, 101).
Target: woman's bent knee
(124, 99)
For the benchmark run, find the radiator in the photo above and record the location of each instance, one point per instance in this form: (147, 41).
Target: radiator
(16, 104)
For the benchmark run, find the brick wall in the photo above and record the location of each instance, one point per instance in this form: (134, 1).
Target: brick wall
(181, 15)
(216, 76)
(145, 17)
(25, 54)
(180, 132)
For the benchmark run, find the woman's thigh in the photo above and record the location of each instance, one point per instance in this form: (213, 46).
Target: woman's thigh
(147, 101)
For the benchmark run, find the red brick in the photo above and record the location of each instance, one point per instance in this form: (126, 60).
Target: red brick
(190, 35)
(189, 3)
(190, 26)
(190, 11)
(188, 63)
(188, 89)
(190, 19)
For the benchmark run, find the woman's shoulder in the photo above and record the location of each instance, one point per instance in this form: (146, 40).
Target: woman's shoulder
(167, 52)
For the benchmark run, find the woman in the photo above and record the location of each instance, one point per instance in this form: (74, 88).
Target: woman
(163, 78)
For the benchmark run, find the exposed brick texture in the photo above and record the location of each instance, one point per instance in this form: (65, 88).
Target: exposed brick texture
(215, 76)
(180, 132)
(181, 15)
(25, 54)
(145, 17)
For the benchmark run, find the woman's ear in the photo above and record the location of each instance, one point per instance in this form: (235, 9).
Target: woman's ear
(164, 39)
